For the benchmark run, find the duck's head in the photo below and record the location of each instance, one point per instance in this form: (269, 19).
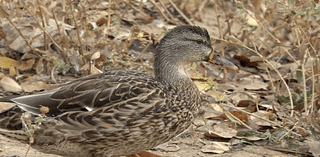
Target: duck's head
(184, 45)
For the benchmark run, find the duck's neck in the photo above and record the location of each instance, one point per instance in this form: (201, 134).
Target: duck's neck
(170, 70)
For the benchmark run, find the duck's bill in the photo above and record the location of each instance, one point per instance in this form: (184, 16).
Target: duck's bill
(218, 60)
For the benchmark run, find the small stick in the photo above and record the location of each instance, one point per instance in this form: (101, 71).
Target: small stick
(42, 19)
(201, 7)
(136, 9)
(277, 71)
(24, 37)
(52, 74)
(233, 116)
(85, 16)
(125, 12)
(27, 150)
(231, 106)
(109, 17)
(181, 13)
(34, 17)
(225, 12)
(76, 25)
(163, 15)
(304, 89)
(287, 151)
(218, 16)
(55, 19)
(168, 12)
(143, 51)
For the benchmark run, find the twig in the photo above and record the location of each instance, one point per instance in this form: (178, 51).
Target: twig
(52, 74)
(55, 19)
(289, 54)
(26, 117)
(218, 16)
(312, 71)
(168, 12)
(264, 28)
(44, 35)
(284, 82)
(109, 17)
(313, 86)
(289, 131)
(201, 7)
(231, 106)
(163, 15)
(242, 123)
(24, 37)
(225, 12)
(25, 155)
(140, 5)
(304, 89)
(76, 25)
(143, 51)
(125, 12)
(181, 13)
(34, 17)
(288, 151)
(85, 16)
(136, 9)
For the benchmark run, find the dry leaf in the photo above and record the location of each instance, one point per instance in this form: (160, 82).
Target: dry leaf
(13, 71)
(222, 130)
(8, 84)
(240, 115)
(246, 103)
(251, 21)
(27, 65)
(40, 66)
(33, 84)
(216, 147)
(203, 86)
(95, 56)
(94, 70)
(6, 63)
(144, 154)
(264, 115)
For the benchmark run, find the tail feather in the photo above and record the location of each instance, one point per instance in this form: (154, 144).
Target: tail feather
(8, 98)
(11, 124)
(18, 135)
(10, 119)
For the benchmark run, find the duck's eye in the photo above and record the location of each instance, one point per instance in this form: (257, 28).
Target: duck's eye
(199, 41)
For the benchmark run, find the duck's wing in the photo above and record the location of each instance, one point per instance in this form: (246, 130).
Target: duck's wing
(109, 90)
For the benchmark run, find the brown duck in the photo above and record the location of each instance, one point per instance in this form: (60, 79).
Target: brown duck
(119, 112)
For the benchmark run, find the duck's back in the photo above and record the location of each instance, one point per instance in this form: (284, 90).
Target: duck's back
(110, 114)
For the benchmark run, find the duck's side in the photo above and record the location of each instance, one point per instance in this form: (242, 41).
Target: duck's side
(130, 112)
(119, 112)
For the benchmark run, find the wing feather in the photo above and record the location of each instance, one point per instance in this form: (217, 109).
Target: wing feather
(120, 90)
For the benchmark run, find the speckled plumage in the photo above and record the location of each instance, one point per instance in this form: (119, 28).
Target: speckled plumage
(119, 112)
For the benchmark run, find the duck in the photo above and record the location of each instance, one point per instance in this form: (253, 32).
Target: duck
(118, 113)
